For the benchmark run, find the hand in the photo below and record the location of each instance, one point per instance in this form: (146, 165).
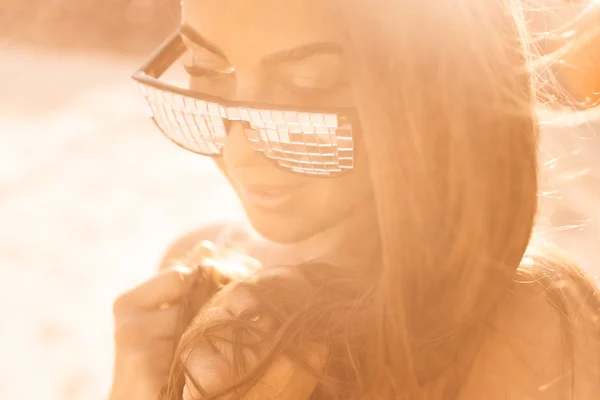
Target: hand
(149, 321)
(209, 359)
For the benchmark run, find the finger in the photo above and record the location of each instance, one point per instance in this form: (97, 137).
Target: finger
(149, 326)
(140, 376)
(168, 287)
(234, 265)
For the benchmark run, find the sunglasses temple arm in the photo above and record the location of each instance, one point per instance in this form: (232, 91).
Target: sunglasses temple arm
(164, 56)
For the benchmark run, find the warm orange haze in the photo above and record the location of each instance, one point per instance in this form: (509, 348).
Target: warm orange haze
(91, 194)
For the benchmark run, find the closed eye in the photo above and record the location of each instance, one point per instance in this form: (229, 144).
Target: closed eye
(211, 81)
(195, 70)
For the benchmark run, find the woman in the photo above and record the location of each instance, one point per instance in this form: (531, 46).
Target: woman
(386, 153)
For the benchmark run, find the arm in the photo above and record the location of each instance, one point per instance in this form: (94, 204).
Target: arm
(143, 356)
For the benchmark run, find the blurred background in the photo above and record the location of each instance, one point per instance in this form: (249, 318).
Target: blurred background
(91, 194)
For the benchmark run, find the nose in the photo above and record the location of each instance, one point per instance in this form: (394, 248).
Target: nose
(238, 151)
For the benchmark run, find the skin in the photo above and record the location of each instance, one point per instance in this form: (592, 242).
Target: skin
(518, 359)
(327, 215)
(324, 209)
(329, 212)
(284, 380)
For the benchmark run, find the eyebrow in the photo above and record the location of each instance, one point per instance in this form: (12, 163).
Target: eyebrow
(296, 53)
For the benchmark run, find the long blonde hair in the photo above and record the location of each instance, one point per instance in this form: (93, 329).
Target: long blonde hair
(446, 96)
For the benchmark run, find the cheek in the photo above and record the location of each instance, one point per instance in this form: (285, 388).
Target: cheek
(324, 193)
(221, 165)
(332, 201)
(349, 189)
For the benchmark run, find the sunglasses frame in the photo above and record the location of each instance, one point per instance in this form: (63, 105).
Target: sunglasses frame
(173, 48)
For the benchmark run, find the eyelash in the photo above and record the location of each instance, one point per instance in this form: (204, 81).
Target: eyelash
(196, 71)
(307, 92)
(305, 95)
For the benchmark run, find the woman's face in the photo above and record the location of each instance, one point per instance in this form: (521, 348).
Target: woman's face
(283, 52)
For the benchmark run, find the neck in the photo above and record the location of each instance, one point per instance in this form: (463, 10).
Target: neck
(352, 242)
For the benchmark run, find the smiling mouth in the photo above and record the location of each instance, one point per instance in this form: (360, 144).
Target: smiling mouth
(269, 198)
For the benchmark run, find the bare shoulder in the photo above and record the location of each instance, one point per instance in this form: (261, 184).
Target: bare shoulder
(542, 343)
(185, 244)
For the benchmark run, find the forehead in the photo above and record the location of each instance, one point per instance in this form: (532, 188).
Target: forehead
(254, 28)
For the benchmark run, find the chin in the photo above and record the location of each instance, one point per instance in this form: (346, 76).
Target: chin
(284, 228)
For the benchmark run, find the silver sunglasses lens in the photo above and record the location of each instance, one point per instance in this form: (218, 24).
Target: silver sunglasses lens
(308, 143)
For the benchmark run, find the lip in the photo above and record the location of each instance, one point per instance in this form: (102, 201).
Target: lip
(269, 197)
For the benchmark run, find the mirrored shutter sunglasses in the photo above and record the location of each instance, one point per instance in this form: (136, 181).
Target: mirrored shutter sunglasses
(307, 141)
